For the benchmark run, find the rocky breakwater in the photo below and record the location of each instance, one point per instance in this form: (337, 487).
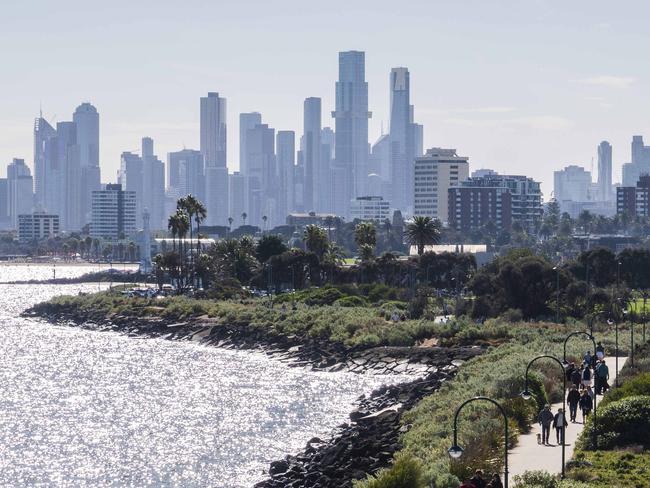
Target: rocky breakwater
(368, 442)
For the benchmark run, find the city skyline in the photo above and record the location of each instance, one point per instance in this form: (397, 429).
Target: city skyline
(575, 102)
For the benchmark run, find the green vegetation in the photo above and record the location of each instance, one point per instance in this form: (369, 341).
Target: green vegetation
(542, 479)
(620, 455)
(405, 473)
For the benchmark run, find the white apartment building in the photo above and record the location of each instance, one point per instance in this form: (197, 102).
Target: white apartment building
(371, 208)
(435, 172)
(37, 226)
(113, 213)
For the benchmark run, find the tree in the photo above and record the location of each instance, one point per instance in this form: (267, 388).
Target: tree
(365, 237)
(234, 258)
(269, 245)
(422, 231)
(179, 224)
(243, 217)
(315, 240)
(264, 219)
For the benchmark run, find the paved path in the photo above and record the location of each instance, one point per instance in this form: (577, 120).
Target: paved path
(529, 456)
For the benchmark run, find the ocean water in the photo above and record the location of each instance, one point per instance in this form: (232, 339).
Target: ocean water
(84, 408)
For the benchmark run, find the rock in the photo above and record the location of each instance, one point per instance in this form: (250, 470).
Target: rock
(278, 467)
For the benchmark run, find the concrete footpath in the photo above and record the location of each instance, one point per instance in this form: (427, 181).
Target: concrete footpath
(527, 455)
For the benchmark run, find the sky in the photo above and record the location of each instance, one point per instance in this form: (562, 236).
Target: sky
(522, 87)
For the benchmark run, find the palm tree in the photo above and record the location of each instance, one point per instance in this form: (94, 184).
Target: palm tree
(422, 231)
(264, 218)
(131, 248)
(179, 224)
(230, 221)
(243, 217)
(315, 240)
(365, 237)
(89, 246)
(329, 222)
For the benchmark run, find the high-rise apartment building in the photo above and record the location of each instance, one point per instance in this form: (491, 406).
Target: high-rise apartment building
(634, 200)
(20, 190)
(351, 118)
(605, 171)
(286, 159)
(315, 191)
(86, 120)
(435, 172)
(371, 208)
(401, 139)
(153, 190)
(247, 121)
(238, 199)
(499, 199)
(113, 213)
(45, 174)
(213, 149)
(262, 176)
(572, 183)
(185, 173)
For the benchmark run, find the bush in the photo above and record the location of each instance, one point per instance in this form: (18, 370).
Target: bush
(405, 473)
(542, 479)
(621, 423)
(351, 302)
(639, 385)
(417, 306)
(512, 315)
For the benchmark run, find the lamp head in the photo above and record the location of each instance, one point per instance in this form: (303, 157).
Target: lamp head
(455, 451)
(526, 395)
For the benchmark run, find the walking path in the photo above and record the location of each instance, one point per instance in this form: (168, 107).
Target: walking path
(527, 455)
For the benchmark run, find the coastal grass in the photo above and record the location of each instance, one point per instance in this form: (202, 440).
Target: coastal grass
(498, 374)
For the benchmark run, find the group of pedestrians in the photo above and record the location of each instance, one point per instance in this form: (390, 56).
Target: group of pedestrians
(478, 481)
(581, 394)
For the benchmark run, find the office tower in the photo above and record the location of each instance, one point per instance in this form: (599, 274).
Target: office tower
(213, 149)
(20, 190)
(37, 226)
(500, 199)
(370, 208)
(640, 163)
(113, 213)
(131, 178)
(572, 183)
(44, 173)
(247, 121)
(313, 193)
(351, 118)
(70, 178)
(286, 160)
(434, 173)
(86, 120)
(605, 171)
(380, 158)
(418, 134)
(328, 142)
(153, 189)
(262, 180)
(185, 173)
(238, 198)
(401, 139)
(4, 203)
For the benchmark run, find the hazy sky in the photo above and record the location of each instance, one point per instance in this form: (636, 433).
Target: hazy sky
(518, 86)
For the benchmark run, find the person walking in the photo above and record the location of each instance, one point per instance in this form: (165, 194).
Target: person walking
(573, 399)
(602, 377)
(587, 358)
(545, 418)
(478, 479)
(576, 377)
(495, 482)
(586, 376)
(559, 423)
(586, 405)
(600, 351)
(571, 367)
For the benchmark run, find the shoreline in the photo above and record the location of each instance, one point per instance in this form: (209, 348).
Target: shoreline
(363, 445)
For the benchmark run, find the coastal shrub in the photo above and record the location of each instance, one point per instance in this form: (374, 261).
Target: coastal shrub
(406, 472)
(417, 305)
(639, 385)
(512, 315)
(621, 423)
(352, 301)
(543, 479)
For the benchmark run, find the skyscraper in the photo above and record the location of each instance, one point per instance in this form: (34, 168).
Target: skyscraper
(185, 173)
(262, 175)
(351, 117)
(86, 120)
(247, 121)
(213, 149)
(20, 190)
(605, 171)
(313, 192)
(401, 139)
(44, 174)
(286, 160)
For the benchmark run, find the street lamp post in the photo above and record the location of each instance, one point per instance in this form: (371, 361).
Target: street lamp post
(455, 451)
(557, 294)
(527, 395)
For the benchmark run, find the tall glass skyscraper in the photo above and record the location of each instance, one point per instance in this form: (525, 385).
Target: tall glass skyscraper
(311, 154)
(213, 149)
(605, 171)
(86, 120)
(351, 116)
(401, 139)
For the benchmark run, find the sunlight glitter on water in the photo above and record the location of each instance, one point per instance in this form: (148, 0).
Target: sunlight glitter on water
(82, 408)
